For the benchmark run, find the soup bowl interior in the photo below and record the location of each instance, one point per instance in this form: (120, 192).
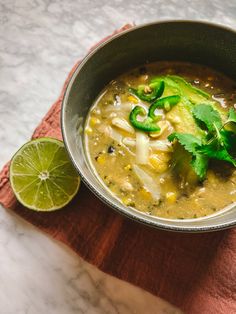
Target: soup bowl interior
(195, 42)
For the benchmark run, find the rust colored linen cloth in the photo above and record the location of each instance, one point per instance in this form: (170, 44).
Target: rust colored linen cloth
(196, 272)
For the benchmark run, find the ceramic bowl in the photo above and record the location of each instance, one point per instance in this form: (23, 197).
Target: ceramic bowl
(198, 42)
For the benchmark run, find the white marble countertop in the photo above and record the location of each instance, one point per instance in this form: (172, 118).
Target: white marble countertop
(40, 40)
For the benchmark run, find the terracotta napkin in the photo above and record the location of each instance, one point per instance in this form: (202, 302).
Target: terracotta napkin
(196, 272)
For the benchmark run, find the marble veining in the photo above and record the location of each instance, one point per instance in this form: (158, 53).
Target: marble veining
(39, 275)
(40, 40)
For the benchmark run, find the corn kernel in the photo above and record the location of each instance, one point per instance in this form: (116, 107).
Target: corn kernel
(88, 131)
(133, 99)
(94, 121)
(145, 194)
(171, 197)
(158, 164)
(101, 159)
(128, 167)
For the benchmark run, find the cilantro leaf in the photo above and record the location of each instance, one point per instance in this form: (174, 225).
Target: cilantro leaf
(188, 141)
(206, 114)
(216, 150)
(230, 123)
(232, 116)
(228, 139)
(200, 165)
(219, 141)
(191, 143)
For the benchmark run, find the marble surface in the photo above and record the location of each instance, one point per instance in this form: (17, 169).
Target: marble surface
(40, 40)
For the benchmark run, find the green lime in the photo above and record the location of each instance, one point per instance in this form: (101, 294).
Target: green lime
(42, 175)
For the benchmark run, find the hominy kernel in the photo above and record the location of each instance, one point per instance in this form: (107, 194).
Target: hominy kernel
(171, 197)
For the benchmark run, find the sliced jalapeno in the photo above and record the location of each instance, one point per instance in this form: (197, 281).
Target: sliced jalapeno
(163, 103)
(147, 125)
(156, 90)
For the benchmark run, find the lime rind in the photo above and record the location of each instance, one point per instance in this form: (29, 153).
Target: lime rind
(42, 176)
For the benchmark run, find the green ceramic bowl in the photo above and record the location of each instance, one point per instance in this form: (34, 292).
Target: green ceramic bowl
(198, 42)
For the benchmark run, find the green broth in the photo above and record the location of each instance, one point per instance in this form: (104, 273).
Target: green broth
(113, 155)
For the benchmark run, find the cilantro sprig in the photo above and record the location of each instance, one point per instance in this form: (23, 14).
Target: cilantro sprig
(218, 142)
(191, 144)
(207, 115)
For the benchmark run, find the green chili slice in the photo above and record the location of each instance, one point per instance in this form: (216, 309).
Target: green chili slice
(157, 89)
(147, 125)
(163, 103)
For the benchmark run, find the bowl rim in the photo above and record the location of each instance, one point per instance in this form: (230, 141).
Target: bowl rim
(136, 216)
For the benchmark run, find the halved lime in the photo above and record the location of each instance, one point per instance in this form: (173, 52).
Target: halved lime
(42, 175)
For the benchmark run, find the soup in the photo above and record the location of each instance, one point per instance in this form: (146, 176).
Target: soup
(162, 138)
